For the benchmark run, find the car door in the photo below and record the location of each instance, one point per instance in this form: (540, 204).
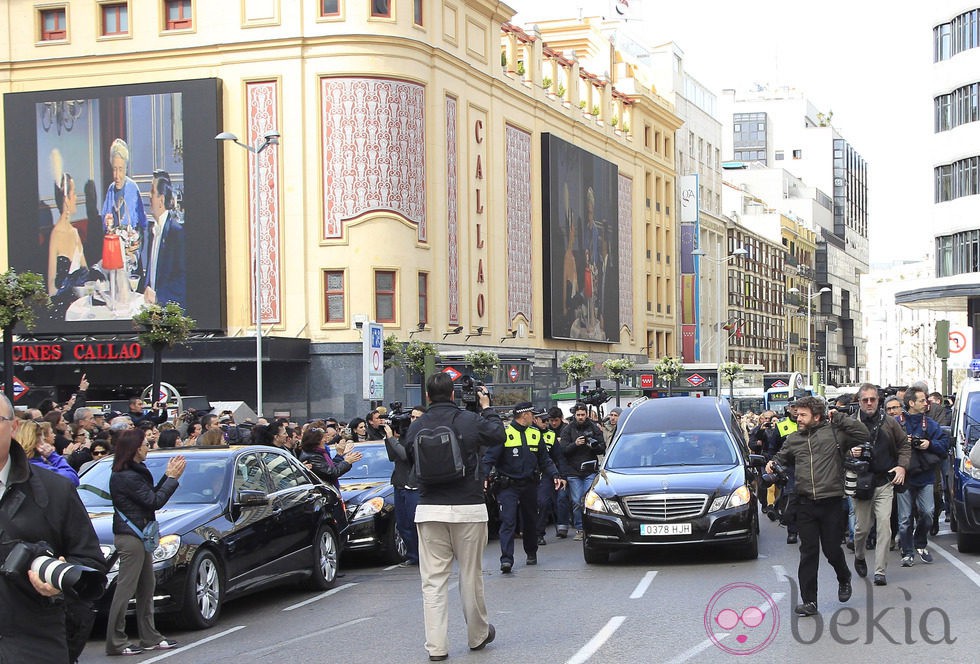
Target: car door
(246, 541)
(294, 504)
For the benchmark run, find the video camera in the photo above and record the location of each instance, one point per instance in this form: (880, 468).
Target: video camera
(593, 444)
(399, 419)
(74, 580)
(596, 396)
(778, 476)
(470, 388)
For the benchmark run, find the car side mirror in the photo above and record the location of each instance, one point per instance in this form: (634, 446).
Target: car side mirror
(251, 498)
(757, 461)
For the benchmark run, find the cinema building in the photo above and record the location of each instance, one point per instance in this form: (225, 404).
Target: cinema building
(437, 170)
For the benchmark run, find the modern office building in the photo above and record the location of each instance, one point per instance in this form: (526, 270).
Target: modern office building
(438, 170)
(780, 128)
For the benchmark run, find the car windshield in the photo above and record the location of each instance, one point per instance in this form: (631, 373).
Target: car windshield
(649, 449)
(204, 481)
(374, 465)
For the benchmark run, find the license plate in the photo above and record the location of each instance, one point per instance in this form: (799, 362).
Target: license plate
(665, 529)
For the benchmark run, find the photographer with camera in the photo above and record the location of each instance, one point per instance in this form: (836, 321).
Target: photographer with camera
(816, 451)
(519, 461)
(581, 443)
(37, 508)
(929, 447)
(885, 457)
(406, 486)
(452, 513)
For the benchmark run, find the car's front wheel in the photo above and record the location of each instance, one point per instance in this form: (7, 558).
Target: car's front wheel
(968, 543)
(326, 559)
(594, 556)
(749, 550)
(203, 592)
(393, 549)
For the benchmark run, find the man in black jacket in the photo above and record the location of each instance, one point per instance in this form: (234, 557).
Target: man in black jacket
(37, 506)
(452, 519)
(137, 413)
(581, 443)
(406, 491)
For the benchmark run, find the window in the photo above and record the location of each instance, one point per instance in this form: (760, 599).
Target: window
(330, 8)
(423, 298)
(418, 12)
(284, 474)
(54, 24)
(779, 155)
(797, 154)
(178, 15)
(384, 296)
(249, 475)
(381, 8)
(333, 296)
(115, 19)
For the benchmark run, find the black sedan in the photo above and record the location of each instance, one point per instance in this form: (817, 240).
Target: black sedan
(678, 472)
(243, 518)
(370, 500)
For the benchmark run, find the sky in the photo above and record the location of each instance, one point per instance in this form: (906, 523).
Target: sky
(868, 63)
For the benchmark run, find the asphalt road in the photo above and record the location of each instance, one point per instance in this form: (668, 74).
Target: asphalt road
(646, 606)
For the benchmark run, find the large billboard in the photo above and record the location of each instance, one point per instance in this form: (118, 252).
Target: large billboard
(116, 201)
(581, 236)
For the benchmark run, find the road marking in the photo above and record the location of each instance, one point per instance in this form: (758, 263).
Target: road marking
(957, 563)
(597, 641)
(781, 574)
(182, 649)
(280, 644)
(642, 586)
(320, 596)
(391, 567)
(707, 643)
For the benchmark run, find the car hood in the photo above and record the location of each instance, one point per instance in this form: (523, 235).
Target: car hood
(673, 479)
(356, 493)
(175, 520)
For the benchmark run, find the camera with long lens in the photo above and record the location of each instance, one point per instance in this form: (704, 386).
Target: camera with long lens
(778, 476)
(861, 463)
(593, 444)
(470, 389)
(596, 396)
(73, 580)
(399, 419)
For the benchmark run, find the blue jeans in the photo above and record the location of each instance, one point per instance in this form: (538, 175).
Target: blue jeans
(924, 503)
(406, 500)
(577, 486)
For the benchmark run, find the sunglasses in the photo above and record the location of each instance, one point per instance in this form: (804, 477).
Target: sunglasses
(98, 453)
(869, 400)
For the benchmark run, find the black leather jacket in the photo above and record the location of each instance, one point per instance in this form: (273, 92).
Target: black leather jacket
(577, 455)
(134, 495)
(322, 469)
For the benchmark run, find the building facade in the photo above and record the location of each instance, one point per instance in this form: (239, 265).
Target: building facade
(424, 154)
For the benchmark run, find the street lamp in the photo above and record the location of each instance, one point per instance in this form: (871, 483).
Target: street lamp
(701, 253)
(809, 350)
(270, 138)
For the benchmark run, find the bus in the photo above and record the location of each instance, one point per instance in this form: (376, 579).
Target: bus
(781, 387)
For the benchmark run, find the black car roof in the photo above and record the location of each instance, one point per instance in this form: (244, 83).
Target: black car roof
(678, 413)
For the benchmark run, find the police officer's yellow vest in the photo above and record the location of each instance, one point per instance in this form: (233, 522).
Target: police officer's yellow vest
(786, 427)
(549, 438)
(531, 434)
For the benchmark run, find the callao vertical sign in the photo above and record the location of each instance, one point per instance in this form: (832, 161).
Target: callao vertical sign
(374, 362)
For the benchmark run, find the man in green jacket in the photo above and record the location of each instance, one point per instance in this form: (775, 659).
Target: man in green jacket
(816, 451)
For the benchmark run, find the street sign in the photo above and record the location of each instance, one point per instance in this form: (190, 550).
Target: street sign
(779, 383)
(975, 365)
(646, 381)
(373, 362)
(960, 346)
(696, 379)
(452, 373)
(513, 374)
(20, 389)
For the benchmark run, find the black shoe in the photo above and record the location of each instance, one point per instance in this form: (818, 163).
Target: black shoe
(861, 567)
(491, 635)
(541, 540)
(806, 609)
(850, 544)
(792, 538)
(880, 580)
(562, 533)
(505, 567)
(844, 591)
(438, 658)
(773, 514)
(871, 544)
(934, 530)
(532, 560)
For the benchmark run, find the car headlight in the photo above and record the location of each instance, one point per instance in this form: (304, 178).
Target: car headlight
(740, 496)
(167, 548)
(970, 469)
(369, 508)
(595, 502)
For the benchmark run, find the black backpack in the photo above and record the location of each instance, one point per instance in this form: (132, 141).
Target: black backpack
(439, 455)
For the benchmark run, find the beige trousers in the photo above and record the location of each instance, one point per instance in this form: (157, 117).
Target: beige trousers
(866, 513)
(439, 544)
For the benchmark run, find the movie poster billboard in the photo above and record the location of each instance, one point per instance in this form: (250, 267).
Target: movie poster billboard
(581, 234)
(115, 200)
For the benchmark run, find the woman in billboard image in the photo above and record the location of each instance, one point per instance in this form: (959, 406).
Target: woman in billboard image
(66, 258)
(125, 221)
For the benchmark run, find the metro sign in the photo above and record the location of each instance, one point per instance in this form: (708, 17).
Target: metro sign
(452, 373)
(20, 389)
(696, 379)
(779, 383)
(646, 381)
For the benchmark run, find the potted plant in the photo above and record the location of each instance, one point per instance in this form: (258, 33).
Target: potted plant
(19, 295)
(483, 363)
(578, 367)
(617, 368)
(392, 352)
(667, 370)
(163, 326)
(730, 371)
(416, 353)
(546, 82)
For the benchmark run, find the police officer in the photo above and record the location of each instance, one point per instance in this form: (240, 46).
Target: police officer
(547, 493)
(519, 461)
